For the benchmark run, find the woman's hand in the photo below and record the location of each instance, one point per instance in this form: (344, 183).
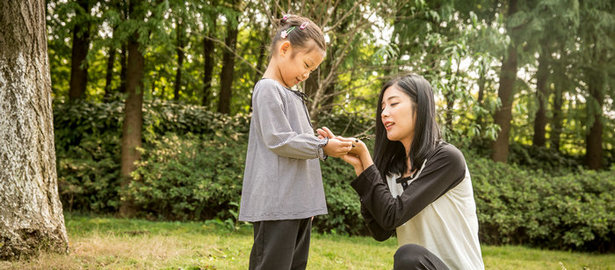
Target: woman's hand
(358, 156)
(355, 161)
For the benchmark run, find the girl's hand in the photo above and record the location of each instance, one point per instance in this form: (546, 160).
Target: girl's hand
(337, 147)
(325, 133)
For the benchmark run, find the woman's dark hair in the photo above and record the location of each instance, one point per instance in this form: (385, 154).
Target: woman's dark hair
(299, 37)
(390, 156)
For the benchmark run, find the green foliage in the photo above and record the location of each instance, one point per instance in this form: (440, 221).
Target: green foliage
(188, 177)
(545, 159)
(518, 206)
(194, 172)
(87, 149)
(87, 138)
(342, 201)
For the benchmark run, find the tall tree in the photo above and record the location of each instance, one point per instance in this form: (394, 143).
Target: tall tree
(109, 73)
(133, 119)
(508, 76)
(180, 58)
(597, 39)
(540, 119)
(81, 44)
(31, 217)
(228, 60)
(208, 69)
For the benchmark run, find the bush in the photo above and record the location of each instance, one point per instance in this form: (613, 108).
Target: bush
(87, 140)
(193, 161)
(342, 201)
(189, 177)
(574, 211)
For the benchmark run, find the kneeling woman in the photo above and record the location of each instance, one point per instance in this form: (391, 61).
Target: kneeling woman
(419, 185)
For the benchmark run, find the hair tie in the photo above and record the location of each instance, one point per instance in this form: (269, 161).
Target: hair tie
(285, 18)
(303, 25)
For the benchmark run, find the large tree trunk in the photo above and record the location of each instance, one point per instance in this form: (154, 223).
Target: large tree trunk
(133, 119)
(208, 53)
(540, 120)
(558, 116)
(180, 60)
(31, 217)
(123, 68)
(503, 115)
(81, 44)
(109, 74)
(228, 67)
(593, 141)
(262, 53)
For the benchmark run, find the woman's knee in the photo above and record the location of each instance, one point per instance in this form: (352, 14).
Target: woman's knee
(413, 256)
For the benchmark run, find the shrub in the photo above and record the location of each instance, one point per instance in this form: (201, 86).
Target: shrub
(87, 151)
(189, 177)
(193, 161)
(515, 206)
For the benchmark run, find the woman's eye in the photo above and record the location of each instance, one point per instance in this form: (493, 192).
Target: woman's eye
(393, 104)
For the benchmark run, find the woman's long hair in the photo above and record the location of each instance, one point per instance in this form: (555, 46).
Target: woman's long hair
(390, 156)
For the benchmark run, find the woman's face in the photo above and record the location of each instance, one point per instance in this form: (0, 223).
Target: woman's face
(398, 115)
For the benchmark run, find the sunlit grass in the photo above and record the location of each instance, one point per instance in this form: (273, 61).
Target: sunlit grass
(109, 243)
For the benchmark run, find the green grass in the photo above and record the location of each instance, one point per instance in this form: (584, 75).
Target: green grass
(110, 243)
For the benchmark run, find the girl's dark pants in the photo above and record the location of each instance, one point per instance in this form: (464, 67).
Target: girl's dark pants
(281, 244)
(413, 256)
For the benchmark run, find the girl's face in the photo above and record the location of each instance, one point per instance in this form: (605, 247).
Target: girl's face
(296, 64)
(398, 115)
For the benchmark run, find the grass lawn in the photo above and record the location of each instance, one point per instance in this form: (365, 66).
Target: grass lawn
(109, 243)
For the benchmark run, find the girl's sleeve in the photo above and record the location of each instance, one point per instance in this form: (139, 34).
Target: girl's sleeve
(277, 133)
(444, 170)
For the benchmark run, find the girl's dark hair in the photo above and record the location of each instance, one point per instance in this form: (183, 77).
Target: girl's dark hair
(299, 37)
(390, 156)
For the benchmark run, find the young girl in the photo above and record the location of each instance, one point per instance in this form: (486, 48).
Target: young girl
(282, 185)
(419, 185)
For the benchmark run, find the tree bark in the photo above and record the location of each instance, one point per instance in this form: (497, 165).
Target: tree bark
(208, 52)
(558, 116)
(133, 119)
(79, 65)
(262, 53)
(593, 141)
(228, 67)
(123, 68)
(109, 75)
(540, 119)
(180, 60)
(503, 115)
(31, 217)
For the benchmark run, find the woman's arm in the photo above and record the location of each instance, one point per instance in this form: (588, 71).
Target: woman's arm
(443, 171)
